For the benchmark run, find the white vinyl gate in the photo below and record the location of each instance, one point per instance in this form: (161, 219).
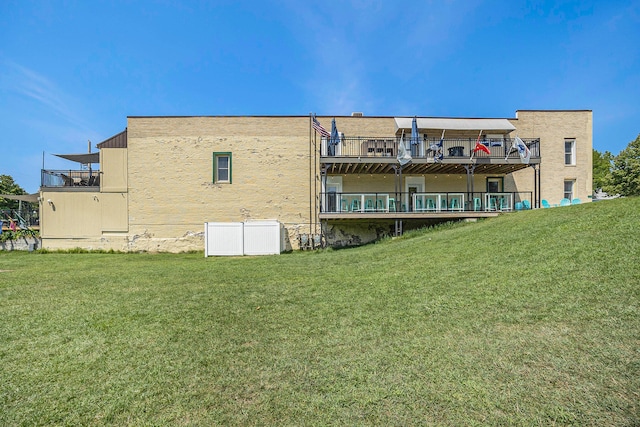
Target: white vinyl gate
(243, 238)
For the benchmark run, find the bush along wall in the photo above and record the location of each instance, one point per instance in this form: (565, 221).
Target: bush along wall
(20, 240)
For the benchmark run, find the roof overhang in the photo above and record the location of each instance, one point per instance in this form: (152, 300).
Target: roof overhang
(486, 125)
(31, 198)
(85, 159)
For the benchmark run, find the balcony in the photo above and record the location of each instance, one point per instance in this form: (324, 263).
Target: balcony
(71, 179)
(384, 205)
(378, 155)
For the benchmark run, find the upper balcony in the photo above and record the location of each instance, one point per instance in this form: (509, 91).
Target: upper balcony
(70, 179)
(429, 155)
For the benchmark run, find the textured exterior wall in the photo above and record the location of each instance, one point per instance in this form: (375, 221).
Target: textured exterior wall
(552, 127)
(171, 188)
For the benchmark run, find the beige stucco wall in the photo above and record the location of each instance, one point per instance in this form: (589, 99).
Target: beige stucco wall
(82, 218)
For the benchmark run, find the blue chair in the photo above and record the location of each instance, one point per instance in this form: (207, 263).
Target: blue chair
(355, 205)
(504, 204)
(492, 204)
(419, 206)
(455, 204)
(431, 205)
(565, 202)
(545, 203)
(443, 204)
(477, 204)
(519, 206)
(368, 205)
(344, 206)
(575, 202)
(526, 204)
(392, 204)
(380, 205)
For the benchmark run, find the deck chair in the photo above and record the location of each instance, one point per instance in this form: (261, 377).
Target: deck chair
(344, 206)
(355, 205)
(575, 202)
(545, 203)
(455, 204)
(504, 204)
(431, 205)
(368, 205)
(419, 206)
(443, 204)
(526, 204)
(477, 204)
(519, 206)
(392, 204)
(380, 205)
(565, 202)
(492, 204)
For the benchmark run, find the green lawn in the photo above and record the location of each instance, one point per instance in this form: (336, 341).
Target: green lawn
(531, 318)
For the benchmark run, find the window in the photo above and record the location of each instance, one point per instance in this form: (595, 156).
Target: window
(222, 167)
(568, 189)
(569, 151)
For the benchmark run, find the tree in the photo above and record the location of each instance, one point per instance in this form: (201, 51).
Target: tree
(8, 186)
(625, 174)
(602, 164)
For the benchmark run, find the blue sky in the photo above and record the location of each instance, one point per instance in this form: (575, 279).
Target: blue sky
(72, 71)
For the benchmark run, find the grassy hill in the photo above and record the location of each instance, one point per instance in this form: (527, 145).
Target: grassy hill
(532, 318)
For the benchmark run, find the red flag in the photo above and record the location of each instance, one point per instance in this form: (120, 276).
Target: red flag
(481, 147)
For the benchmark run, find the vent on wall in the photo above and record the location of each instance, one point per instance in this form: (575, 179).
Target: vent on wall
(360, 114)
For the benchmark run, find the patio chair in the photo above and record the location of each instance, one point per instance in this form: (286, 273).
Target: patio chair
(575, 202)
(526, 204)
(545, 203)
(419, 206)
(380, 205)
(443, 204)
(492, 204)
(368, 206)
(344, 205)
(355, 205)
(504, 204)
(431, 205)
(477, 204)
(392, 204)
(565, 202)
(455, 204)
(519, 206)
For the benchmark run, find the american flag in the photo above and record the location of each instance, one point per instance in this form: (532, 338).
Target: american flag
(318, 127)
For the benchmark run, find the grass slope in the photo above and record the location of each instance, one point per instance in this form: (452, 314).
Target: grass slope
(531, 318)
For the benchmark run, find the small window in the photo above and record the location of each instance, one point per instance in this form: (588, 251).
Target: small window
(222, 167)
(569, 152)
(568, 189)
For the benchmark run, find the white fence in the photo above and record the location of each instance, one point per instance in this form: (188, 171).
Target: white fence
(243, 238)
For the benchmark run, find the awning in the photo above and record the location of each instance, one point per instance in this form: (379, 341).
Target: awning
(31, 198)
(486, 125)
(85, 159)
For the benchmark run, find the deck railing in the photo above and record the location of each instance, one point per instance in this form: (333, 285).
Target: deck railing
(425, 202)
(455, 148)
(70, 178)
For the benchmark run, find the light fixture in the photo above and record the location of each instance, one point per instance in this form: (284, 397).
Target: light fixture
(50, 202)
